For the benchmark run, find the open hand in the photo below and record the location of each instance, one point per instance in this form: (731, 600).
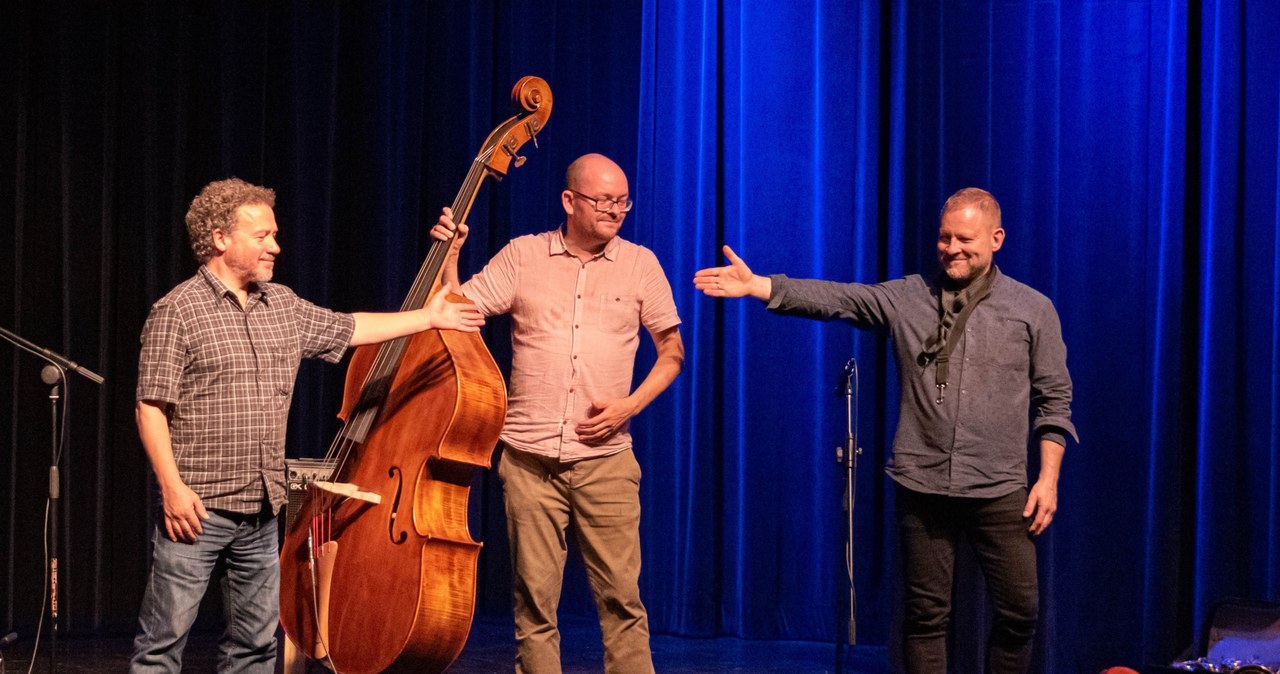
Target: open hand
(732, 280)
(446, 314)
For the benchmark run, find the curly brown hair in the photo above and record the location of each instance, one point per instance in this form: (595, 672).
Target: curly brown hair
(215, 208)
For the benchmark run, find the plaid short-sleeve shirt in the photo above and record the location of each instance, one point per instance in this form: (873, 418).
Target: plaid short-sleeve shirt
(228, 375)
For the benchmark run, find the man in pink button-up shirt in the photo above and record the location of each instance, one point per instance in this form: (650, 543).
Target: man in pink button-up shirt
(577, 296)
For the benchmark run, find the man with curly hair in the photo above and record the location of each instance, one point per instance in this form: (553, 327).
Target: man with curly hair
(220, 353)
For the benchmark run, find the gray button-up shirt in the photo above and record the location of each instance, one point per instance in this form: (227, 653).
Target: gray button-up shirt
(1008, 378)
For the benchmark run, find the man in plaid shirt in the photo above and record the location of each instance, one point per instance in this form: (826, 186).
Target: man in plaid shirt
(219, 357)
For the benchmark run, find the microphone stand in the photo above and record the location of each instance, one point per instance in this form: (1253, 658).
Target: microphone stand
(59, 360)
(847, 457)
(53, 374)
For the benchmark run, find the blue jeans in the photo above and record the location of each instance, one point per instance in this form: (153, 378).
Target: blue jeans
(248, 547)
(930, 527)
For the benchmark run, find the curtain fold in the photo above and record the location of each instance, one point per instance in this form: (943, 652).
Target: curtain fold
(755, 140)
(1165, 619)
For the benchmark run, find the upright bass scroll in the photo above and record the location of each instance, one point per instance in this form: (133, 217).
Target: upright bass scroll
(378, 568)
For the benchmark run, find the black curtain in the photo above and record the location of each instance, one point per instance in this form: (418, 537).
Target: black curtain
(363, 118)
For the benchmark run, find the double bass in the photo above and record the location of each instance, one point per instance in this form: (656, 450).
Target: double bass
(378, 568)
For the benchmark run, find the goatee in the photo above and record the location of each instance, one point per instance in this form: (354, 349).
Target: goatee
(952, 283)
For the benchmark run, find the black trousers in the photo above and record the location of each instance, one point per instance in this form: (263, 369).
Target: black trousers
(929, 528)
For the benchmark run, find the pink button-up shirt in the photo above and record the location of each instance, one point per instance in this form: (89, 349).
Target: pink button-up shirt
(575, 330)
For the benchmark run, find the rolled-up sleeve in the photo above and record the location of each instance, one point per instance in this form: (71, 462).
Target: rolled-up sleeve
(163, 356)
(1050, 380)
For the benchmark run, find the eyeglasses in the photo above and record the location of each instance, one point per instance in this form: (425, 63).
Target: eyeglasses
(624, 204)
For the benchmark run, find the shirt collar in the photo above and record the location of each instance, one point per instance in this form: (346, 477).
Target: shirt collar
(558, 247)
(257, 291)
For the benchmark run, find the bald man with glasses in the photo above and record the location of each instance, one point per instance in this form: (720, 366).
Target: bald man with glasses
(577, 295)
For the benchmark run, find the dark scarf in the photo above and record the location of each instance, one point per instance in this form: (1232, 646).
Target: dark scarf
(951, 320)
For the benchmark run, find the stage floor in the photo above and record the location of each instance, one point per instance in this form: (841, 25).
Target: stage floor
(491, 649)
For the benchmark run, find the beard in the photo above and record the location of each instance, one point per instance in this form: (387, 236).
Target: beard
(258, 272)
(955, 278)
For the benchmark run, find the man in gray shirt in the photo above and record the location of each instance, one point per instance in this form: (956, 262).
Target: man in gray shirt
(982, 369)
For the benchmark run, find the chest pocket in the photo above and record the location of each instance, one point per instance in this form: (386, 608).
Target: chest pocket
(1004, 343)
(277, 353)
(618, 314)
(281, 365)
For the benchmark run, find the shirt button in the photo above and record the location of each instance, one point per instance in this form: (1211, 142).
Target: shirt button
(575, 356)
(571, 390)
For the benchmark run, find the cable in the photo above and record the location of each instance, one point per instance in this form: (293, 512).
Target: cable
(44, 595)
(315, 598)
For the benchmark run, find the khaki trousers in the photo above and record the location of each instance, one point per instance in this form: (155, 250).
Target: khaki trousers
(599, 500)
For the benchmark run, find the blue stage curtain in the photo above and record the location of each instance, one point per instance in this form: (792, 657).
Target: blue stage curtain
(750, 136)
(1133, 147)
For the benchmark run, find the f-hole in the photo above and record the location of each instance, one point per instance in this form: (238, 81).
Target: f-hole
(395, 507)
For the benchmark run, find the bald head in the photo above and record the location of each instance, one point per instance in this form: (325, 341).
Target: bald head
(590, 165)
(591, 180)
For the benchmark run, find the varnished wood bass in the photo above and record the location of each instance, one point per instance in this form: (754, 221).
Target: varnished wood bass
(378, 568)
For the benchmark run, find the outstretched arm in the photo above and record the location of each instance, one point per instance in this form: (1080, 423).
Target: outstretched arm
(440, 313)
(732, 280)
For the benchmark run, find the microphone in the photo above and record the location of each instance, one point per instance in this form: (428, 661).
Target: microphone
(72, 366)
(50, 374)
(61, 361)
(843, 386)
